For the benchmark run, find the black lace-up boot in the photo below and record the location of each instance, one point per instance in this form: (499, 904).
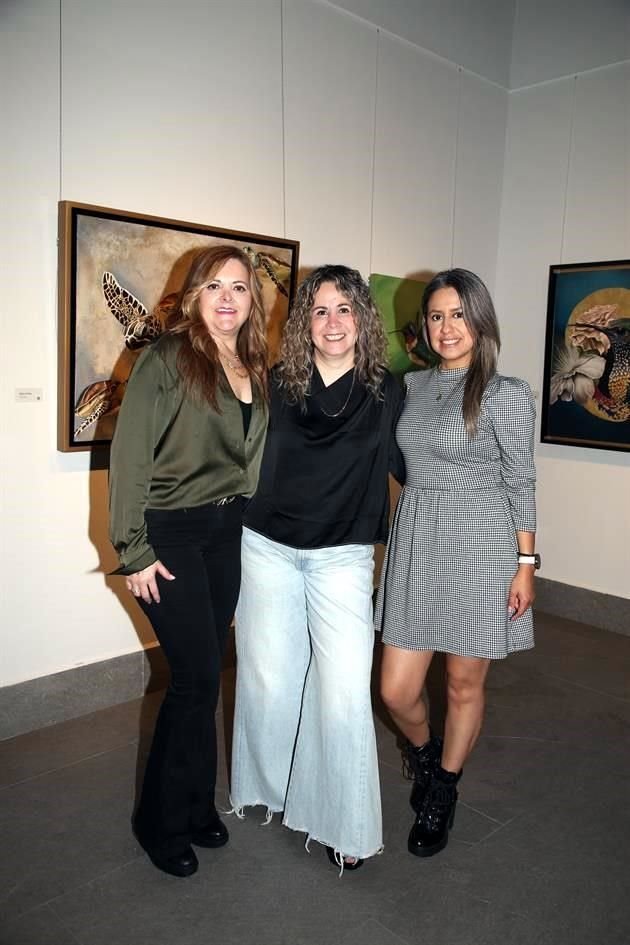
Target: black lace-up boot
(419, 765)
(429, 834)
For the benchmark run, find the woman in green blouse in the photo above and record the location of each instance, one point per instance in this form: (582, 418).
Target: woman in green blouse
(186, 451)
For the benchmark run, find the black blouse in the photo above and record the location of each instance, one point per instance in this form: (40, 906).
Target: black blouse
(323, 479)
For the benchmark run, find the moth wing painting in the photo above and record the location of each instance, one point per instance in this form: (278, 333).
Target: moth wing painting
(120, 275)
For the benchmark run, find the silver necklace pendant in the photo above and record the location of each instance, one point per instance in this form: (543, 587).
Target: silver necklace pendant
(438, 396)
(338, 413)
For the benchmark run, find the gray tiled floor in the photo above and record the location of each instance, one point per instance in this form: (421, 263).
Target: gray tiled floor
(540, 852)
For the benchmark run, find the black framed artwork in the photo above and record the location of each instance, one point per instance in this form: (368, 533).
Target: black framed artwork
(586, 390)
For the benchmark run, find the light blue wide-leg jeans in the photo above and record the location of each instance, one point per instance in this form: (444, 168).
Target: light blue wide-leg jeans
(304, 739)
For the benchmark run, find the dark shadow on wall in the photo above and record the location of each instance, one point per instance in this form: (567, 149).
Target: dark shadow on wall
(154, 672)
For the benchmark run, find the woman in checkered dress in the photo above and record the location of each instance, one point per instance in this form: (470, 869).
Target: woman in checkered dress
(458, 576)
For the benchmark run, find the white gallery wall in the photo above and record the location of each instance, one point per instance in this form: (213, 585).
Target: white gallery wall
(292, 118)
(379, 147)
(566, 198)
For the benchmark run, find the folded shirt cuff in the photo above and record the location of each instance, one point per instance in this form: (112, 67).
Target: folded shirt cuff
(138, 565)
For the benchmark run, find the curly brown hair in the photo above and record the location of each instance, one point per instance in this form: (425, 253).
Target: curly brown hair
(296, 367)
(198, 358)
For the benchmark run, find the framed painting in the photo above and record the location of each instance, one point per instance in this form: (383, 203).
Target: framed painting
(586, 389)
(119, 276)
(399, 301)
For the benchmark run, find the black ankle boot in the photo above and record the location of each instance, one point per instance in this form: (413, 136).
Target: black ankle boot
(429, 834)
(419, 765)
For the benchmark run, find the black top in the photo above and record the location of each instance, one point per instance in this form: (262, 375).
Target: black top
(323, 479)
(246, 411)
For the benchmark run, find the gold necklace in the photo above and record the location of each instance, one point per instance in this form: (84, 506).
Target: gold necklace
(232, 360)
(237, 368)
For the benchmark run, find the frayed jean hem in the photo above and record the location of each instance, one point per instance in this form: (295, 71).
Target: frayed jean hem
(327, 843)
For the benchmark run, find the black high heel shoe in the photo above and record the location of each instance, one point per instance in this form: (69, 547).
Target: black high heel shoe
(178, 864)
(354, 865)
(213, 835)
(182, 864)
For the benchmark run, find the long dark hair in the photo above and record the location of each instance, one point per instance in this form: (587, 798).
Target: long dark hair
(198, 358)
(481, 320)
(297, 344)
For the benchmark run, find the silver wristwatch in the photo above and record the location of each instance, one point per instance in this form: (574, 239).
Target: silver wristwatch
(530, 559)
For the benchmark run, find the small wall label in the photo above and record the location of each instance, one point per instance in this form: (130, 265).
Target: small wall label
(28, 395)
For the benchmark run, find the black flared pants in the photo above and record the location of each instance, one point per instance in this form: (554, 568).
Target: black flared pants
(201, 547)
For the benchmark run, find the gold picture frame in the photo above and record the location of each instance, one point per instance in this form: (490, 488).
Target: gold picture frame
(119, 272)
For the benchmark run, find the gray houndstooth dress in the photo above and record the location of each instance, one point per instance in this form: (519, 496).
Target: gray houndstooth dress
(452, 552)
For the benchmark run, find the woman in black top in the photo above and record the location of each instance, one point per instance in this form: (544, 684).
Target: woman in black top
(304, 737)
(187, 448)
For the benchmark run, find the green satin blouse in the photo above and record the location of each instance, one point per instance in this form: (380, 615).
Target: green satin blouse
(170, 452)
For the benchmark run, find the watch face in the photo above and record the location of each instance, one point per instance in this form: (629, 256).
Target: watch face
(530, 559)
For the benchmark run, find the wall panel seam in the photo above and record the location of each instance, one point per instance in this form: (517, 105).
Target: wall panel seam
(565, 201)
(407, 42)
(571, 75)
(374, 124)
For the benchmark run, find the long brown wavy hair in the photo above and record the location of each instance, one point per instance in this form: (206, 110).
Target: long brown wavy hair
(198, 358)
(296, 367)
(481, 320)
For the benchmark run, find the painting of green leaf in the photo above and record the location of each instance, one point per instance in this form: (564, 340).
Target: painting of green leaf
(399, 300)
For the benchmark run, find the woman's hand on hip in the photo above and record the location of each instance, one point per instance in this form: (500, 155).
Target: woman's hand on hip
(521, 591)
(143, 583)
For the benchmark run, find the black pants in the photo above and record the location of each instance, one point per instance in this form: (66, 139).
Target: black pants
(202, 548)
